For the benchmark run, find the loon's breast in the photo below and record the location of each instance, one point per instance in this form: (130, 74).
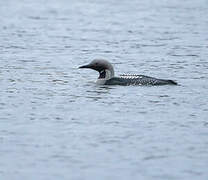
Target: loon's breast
(128, 79)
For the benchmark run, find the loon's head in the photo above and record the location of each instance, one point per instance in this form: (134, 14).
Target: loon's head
(104, 68)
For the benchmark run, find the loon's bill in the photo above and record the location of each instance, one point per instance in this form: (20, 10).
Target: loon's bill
(106, 76)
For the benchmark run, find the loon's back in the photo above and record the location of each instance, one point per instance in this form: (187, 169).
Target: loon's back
(127, 79)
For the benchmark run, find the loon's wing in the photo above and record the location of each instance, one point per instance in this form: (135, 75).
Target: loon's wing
(147, 80)
(138, 80)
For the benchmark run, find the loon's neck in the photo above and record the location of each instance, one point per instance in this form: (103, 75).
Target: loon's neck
(104, 76)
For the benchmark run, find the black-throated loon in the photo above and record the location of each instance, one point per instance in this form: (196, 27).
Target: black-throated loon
(107, 77)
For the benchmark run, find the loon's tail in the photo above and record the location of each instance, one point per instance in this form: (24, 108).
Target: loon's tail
(172, 82)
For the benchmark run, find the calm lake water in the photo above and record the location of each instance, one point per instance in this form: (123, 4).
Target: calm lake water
(56, 123)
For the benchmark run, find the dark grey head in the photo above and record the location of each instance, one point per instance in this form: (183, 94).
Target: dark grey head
(102, 66)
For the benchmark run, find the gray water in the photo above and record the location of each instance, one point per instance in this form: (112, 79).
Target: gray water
(56, 123)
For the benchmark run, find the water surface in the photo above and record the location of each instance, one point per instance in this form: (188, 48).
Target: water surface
(55, 123)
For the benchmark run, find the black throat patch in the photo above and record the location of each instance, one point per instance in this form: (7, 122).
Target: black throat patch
(102, 74)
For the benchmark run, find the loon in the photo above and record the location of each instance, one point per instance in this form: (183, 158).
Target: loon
(106, 76)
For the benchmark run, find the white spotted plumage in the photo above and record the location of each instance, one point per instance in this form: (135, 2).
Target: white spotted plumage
(130, 76)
